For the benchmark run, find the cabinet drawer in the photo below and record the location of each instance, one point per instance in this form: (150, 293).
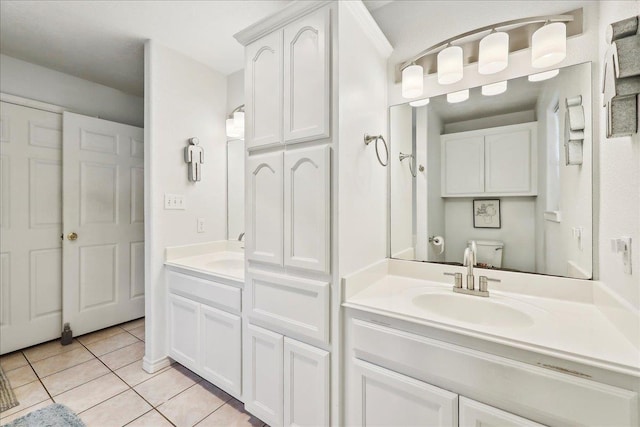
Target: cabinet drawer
(289, 305)
(205, 291)
(539, 394)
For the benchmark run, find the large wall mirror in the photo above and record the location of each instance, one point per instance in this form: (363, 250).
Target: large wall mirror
(511, 172)
(235, 188)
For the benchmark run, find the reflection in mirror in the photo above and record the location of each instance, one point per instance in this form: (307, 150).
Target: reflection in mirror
(510, 172)
(235, 188)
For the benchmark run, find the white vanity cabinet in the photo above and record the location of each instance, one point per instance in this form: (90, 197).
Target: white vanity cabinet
(205, 329)
(288, 85)
(475, 414)
(287, 380)
(499, 161)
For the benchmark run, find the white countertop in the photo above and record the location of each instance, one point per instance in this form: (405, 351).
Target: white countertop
(216, 260)
(572, 330)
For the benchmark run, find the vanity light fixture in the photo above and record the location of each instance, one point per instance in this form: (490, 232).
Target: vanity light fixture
(494, 89)
(493, 55)
(549, 45)
(459, 96)
(419, 102)
(412, 81)
(235, 123)
(450, 65)
(545, 75)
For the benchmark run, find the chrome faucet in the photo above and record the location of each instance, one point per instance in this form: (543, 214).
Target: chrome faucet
(241, 236)
(469, 261)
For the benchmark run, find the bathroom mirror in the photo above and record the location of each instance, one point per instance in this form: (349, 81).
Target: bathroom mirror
(235, 188)
(511, 172)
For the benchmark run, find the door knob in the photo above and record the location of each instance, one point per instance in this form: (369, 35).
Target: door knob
(72, 236)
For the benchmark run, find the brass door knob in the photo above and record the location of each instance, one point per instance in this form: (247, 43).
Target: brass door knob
(72, 236)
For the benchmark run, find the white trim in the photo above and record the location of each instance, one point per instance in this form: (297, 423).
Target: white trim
(554, 216)
(155, 366)
(31, 103)
(369, 26)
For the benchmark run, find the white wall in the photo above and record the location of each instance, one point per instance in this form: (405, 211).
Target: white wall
(183, 99)
(235, 157)
(619, 178)
(493, 121)
(235, 90)
(81, 96)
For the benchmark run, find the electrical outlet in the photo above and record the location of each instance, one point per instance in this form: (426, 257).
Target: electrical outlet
(623, 245)
(200, 225)
(174, 201)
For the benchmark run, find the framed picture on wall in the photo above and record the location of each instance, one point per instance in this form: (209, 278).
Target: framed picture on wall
(486, 213)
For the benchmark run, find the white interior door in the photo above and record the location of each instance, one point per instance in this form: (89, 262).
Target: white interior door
(30, 226)
(103, 186)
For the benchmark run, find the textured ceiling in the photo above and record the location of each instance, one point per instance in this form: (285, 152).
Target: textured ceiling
(103, 41)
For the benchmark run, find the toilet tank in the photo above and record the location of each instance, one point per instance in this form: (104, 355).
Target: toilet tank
(489, 252)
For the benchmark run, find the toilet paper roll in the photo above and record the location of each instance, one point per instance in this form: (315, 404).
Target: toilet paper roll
(438, 242)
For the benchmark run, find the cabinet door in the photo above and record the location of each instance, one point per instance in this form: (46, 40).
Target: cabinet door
(263, 85)
(263, 393)
(382, 397)
(306, 385)
(221, 356)
(508, 163)
(264, 208)
(307, 208)
(307, 78)
(476, 414)
(463, 166)
(183, 330)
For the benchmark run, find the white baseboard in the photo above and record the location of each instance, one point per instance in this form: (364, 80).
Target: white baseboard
(154, 366)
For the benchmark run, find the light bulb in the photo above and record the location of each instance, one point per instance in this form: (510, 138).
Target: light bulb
(450, 65)
(419, 102)
(459, 96)
(543, 76)
(494, 89)
(412, 81)
(232, 132)
(549, 45)
(494, 53)
(238, 122)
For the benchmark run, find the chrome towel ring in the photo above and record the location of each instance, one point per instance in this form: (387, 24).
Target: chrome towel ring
(403, 156)
(377, 138)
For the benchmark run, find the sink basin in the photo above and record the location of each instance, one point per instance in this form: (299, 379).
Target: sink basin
(473, 309)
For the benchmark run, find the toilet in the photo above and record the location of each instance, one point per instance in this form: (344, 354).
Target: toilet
(489, 252)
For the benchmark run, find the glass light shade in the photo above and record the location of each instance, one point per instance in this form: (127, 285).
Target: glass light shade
(494, 89)
(459, 96)
(419, 102)
(545, 75)
(232, 132)
(238, 122)
(494, 53)
(412, 81)
(450, 65)
(549, 45)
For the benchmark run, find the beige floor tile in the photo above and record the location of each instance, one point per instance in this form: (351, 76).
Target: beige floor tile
(112, 343)
(28, 395)
(57, 363)
(133, 374)
(117, 411)
(150, 419)
(6, 419)
(21, 376)
(232, 414)
(124, 356)
(193, 404)
(89, 394)
(73, 377)
(138, 332)
(48, 349)
(100, 335)
(164, 386)
(133, 324)
(12, 361)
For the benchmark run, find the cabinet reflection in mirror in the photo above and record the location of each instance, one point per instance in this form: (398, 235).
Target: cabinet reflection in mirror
(509, 149)
(235, 189)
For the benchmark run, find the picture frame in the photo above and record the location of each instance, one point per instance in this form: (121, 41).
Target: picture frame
(486, 213)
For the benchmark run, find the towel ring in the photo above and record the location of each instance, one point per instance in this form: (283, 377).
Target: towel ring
(403, 156)
(369, 138)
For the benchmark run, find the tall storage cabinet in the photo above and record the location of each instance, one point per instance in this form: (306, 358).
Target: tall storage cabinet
(292, 95)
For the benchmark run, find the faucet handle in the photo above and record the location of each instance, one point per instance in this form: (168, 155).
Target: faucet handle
(457, 279)
(484, 282)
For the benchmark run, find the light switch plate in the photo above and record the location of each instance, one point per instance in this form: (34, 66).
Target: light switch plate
(174, 202)
(200, 225)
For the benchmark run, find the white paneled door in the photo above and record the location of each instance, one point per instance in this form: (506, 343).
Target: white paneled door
(30, 226)
(103, 244)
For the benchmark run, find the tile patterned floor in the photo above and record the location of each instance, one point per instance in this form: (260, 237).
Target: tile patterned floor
(100, 377)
